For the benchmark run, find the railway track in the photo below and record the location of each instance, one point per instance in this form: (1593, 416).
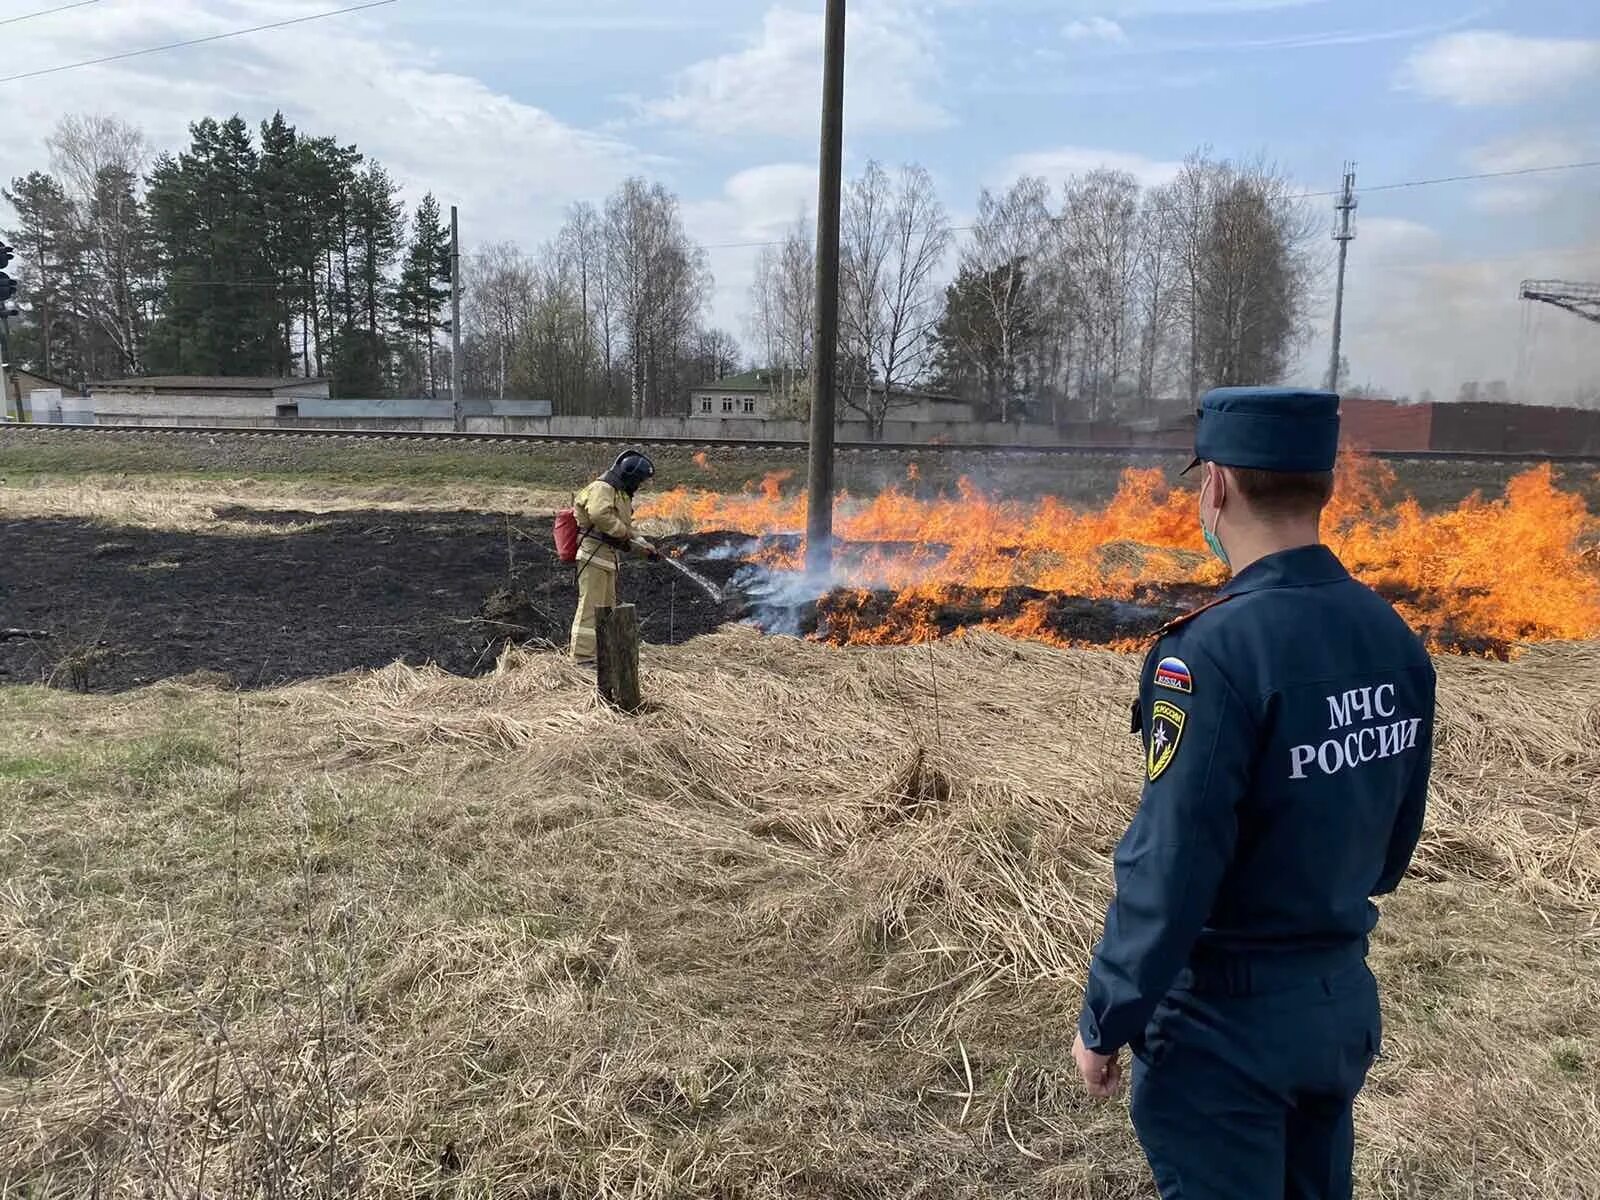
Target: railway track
(708, 444)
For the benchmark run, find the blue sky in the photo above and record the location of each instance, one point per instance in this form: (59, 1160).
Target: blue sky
(514, 110)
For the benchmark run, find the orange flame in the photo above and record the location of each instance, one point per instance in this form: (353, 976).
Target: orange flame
(1517, 569)
(700, 459)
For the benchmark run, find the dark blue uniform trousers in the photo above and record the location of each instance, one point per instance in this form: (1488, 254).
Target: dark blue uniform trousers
(1244, 1083)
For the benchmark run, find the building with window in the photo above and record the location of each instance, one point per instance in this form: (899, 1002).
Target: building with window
(748, 397)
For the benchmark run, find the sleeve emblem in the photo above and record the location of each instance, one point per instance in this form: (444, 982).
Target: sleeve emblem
(1166, 731)
(1174, 674)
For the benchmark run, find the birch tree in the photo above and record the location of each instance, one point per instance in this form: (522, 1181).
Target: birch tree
(894, 238)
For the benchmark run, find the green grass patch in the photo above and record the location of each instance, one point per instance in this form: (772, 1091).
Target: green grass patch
(1568, 1057)
(19, 767)
(151, 761)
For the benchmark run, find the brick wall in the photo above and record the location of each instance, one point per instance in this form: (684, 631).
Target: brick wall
(1383, 425)
(1516, 429)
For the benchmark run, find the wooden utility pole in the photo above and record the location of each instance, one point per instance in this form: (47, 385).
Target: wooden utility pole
(819, 496)
(616, 656)
(455, 321)
(1344, 235)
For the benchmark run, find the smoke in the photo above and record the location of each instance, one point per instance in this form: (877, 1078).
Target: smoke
(780, 602)
(728, 551)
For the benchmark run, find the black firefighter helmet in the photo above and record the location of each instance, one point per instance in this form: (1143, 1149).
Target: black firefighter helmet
(631, 470)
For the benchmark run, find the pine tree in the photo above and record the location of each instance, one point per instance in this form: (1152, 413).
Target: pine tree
(49, 340)
(280, 204)
(422, 293)
(206, 213)
(362, 358)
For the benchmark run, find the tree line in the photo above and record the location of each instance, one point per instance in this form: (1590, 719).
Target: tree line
(249, 253)
(270, 251)
(1089, 304)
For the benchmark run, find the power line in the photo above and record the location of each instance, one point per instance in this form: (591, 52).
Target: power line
(1214, 204)
(200, 41)
(1053, 219)
(45, 12)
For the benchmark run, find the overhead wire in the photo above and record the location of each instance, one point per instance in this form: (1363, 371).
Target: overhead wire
(199, 41)
(1212, 205)
(1480, 176)
(45, 12)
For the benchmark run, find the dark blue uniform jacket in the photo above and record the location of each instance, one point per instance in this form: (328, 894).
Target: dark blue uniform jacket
(1288, 731)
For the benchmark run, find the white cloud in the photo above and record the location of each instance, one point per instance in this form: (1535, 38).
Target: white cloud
(1063, 162)
(773, 86)
(1510, 199)
(1486, 67)
(756, 205)
(1526, 151)
(1094, 29)
(511, 167)
(1526, 194)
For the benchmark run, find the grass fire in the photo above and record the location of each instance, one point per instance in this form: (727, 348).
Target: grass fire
(1483, 576)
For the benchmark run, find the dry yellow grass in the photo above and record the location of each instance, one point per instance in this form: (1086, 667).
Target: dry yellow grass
(191, 505)
(812, 926)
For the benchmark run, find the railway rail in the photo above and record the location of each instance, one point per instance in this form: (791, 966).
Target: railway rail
(767, 444)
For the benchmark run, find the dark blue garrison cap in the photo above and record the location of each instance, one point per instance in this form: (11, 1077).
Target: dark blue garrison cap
(1268, 429)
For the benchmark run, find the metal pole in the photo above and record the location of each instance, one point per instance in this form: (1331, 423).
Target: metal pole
(819, 496)
(5, 371)
(455, 321)
(1344, 235)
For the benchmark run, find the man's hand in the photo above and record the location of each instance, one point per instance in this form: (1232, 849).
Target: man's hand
(1102, 1073)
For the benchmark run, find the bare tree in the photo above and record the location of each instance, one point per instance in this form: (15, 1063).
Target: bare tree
(1259, 275)
(101, 161)
(583, 241)
(498, 293)
(783, 312)
(1156, 289)
(714, 354)
(894, 238)
(1004, 259)
(1099, 239)
(1242, 251)
(659, 281)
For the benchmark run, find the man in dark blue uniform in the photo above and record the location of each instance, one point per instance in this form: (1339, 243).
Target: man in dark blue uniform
(1287, 730)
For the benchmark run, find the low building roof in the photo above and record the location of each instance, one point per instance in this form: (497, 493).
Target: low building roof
(749, 381)
(45, 380)
(208, 383)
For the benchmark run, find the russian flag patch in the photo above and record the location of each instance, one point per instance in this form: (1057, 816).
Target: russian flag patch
(1173, 673)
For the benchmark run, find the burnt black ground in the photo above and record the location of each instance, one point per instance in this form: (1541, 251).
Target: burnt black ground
(127, 606)
(360, 589)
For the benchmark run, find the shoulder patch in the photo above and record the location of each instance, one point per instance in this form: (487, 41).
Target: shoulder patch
(1179, 622)
(1174, 673)
(1166, 731)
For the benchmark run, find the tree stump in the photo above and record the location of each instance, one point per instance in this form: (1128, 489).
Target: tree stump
(617, 656)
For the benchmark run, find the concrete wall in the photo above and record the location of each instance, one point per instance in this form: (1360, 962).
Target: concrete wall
(51, 406)
(397, 409)
(933, 432)
(146, 408)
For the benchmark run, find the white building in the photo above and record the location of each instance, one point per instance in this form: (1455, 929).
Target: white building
(748, 397)
(766, 396)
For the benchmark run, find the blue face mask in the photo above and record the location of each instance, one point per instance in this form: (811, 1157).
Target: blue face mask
(1214, 543)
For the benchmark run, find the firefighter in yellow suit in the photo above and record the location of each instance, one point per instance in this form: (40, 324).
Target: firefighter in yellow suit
(604, 511)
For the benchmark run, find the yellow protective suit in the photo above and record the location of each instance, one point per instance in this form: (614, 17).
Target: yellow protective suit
(604, 509)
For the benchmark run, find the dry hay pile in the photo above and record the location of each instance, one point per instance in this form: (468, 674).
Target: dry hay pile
(813, 926)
